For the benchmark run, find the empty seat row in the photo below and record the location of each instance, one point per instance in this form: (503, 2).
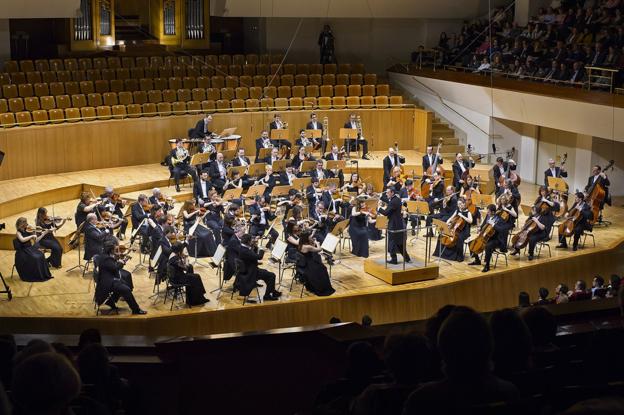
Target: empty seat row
(173, 63)
(94, 99)
(149, 109)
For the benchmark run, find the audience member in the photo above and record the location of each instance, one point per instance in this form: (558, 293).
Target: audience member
(512, 342)
(580, 292)
(543, 297)
(561, 294)
(88, 337)
(523, 299)
(8, 350)
(598, 289)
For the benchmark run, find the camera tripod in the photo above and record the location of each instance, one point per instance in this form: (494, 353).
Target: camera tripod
(7, 289)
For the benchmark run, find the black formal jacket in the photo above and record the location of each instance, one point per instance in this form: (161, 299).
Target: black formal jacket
(109, 270)
(327, 200)
(232, 249)
(214, 172)
(283, 178)
(312, 197)
(273, 125)
(259, 146)
(138, 214)
(94, 241)
(558, 173)
(496, 171)
(237, 161)
(198, 191)
(198, 131)
(393, 212)
(310, 126)
(425, 161)
(326, 173)
(248, 272)
(255, 210)
(586, 216)
(605, 184)
(329, 156)
(172, 155)
(457, 172)
(502, 229)
(387, 166)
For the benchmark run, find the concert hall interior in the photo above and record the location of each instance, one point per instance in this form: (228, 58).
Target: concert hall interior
(401, 207)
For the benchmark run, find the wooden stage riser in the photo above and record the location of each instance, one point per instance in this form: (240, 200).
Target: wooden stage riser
(40, 150)
(495, 290)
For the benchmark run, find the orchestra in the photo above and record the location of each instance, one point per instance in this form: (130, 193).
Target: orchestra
(318, 199)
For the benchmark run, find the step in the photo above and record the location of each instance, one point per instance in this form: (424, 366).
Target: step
(446, 141)
(453, 148)
(439, 124)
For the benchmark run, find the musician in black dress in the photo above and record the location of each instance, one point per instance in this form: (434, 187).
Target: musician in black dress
(86, 205)
(510, 189)
(542, 216)
(500, 169)
(202, 244)
(553, 171)
(202, 128)
(315, 275)
(261, 219)
(112, 281)
(583, 223)
(30, 263)
(396, 240)
(181, 272)
(322, 221)
(250, 273)
(353, 144)
(501, 226)
(48, 240)
(460, 169)
(180, 159)
(291, 236)
(446, 205)
(358, 228)
(456, 252)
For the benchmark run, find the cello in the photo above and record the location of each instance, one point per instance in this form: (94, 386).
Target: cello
(456, 225)
(486, 233)
(566, 228)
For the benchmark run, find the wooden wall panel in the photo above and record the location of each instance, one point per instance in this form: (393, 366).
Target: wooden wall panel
(40, 150)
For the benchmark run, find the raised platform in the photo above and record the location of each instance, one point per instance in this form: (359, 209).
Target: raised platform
(395, 274)
(64, 304)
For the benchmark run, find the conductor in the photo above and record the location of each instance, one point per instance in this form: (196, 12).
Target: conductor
(396, 226)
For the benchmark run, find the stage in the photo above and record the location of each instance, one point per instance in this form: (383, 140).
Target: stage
(64, 304)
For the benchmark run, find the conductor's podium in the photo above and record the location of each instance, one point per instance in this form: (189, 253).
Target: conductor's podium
(392, 274)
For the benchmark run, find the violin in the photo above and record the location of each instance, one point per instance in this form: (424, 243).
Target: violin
(55, 220)
(147, 207)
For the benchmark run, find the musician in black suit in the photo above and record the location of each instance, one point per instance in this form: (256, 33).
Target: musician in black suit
(500, 168)
(201, 189)
(460, 166)
(583, 224)
(138, 218)
(313, 192)
(390, 162)
(396, 240)
(429, 158)
(445, 203)
(218, 173)
(278, 124)
(320, 172)
(249, 273)
(241, 159)
(180, 159)
(335, 154)
(261, 217)
(509, 188)
(274, 156)
(286, 177)
(327, 197)
(94, 237)
(304, 141)
(314, 124)
(361, 141)
(202, 128)
(554, 171)
(263, 142)
(499, 240)
(232, 249)
(599, 176)
(112, 281)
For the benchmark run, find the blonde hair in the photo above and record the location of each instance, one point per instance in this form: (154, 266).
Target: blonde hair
(21, 222)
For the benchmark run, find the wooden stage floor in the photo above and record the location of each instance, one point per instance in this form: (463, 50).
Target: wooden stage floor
(64, 304)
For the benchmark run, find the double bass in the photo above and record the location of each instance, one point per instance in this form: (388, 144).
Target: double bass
(509, 174)
(597, 193)
(425, 188)
(562, 197)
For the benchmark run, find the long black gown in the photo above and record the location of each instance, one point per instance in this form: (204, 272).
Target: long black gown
(51, 243)
(291, 249)
(30, 262)
(358, 231)
(315, 274)
(203, 244)
(455, 253)
(184, 275)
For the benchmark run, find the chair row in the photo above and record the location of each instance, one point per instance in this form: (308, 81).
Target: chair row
(218, 81)
(155, 96)
(192, 68)
(150, 109)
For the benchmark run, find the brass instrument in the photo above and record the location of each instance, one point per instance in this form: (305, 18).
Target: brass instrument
(181, 155)
(284, 126)
(358, 124)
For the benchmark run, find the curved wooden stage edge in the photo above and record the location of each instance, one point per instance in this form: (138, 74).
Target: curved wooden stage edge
(64, 304)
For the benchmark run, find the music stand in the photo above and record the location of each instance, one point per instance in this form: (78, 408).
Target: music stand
(256, 190)
(526, 209)
(307, 166)
(482, 201)
(557, 184)
(281, 134)
(280, 190)
(418, 208)
(443, 229)
(240, 169)
(308, 149)
(78, 234)
(326, 182)
(329, 245)
(301, 183)
(200, 158)
(264, 153)
(336, 164)
(313, 133)
(228, 154)
(256, 170)
(382, 222)
(217, 262)
(232, 194)
(348, 134)
(280, 165)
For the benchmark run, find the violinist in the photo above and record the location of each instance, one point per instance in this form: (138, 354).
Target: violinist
(599, 175)
(171, 236)
(112, 202)
(291, 236)
(358, 227)
(500, 221)
(395, 180)
(113, 279)
(30, 263)
(157, 234)
(542, 216)
(294, 201)
(354, 185)
(446, 205)
(261, 218)
(95, 233)
(263, 142)
(429, 158)
(391, 161)
(48, 241)
(201, 189)
(286, 177)
(86, 205)
(139, 217)
(157, 198)
(241, 159)
(328, 199)
(181, 272)
(581, 214)
(554, 171)
(460, 215)
(314, 192)
(304, 141)
(460, 169)
(203, 242)
(218, 173)
(314, 272)
(319, 215)
(250, 273)
(500, 168)
(232, 246)
(320, 172)
(180, 159)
